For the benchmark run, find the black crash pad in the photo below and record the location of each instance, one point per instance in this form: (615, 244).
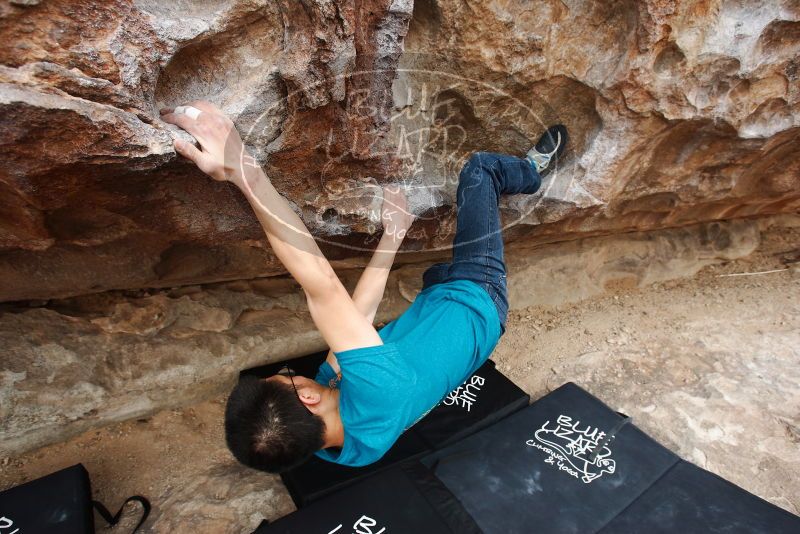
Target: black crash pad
(404, 499)
(317, 478)
(554, 467)
(59, 502)
(485, 398)
(689, 499)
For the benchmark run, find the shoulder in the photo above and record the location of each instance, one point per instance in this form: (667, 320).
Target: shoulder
(369, 431)
(380, 366)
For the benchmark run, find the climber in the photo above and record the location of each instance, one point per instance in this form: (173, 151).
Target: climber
(374, 384)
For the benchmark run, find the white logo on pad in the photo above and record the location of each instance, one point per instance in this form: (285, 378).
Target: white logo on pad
(465, 394)
(364, 525)
(580, 452)
(7, 523)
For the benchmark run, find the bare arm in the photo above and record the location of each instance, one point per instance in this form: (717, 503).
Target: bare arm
(223, 158)
(397, 220)
(371, 285)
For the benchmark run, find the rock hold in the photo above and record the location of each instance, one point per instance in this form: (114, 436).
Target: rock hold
(678, 114)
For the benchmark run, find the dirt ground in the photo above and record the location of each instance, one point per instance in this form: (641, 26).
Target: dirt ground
(729, 346)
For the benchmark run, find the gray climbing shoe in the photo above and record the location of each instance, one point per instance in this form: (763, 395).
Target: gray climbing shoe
(546, 153)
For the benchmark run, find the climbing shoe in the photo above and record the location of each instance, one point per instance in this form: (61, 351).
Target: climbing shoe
(546, 152)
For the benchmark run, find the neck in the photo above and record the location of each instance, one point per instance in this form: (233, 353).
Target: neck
(334, 430)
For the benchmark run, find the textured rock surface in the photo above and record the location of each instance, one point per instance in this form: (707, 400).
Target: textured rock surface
(110, 195)
(683, 342)
(83, 362)
(680, 112)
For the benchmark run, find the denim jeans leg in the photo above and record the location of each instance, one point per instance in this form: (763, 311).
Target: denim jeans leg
(478, 243)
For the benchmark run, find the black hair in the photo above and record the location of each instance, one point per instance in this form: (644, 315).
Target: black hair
(268, 428)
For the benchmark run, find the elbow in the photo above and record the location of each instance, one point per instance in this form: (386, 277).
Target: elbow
(326, 286)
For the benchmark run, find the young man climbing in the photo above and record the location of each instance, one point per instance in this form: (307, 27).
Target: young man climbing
(374, 384)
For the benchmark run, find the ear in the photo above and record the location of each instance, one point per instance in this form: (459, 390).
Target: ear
(308, 396)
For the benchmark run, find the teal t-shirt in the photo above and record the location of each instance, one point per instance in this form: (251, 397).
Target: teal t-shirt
(433, 347)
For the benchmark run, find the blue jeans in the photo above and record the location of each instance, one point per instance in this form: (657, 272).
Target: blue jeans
(478, 244)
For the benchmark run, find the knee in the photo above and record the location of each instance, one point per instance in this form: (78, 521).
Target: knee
(478, 164)
(478, 170)
(477, 160)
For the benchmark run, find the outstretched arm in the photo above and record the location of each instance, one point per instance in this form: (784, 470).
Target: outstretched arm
(223, 158)
(369, 290)
(396, 222)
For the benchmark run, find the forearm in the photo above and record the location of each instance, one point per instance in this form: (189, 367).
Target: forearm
(222, 156)
(288, 236)
(334, 313)
(371, 285)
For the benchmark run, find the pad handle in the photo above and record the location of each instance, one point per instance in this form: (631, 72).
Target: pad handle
(114, 519)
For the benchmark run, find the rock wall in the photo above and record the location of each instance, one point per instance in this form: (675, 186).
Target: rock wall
(86, 361)
(680, 112)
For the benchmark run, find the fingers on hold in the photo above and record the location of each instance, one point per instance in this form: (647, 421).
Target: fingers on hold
(210, 114)
(205, 105)
(164, 111)
(183, 148)
(188, 150)
(182, 120)
(172, 117)
(192, 153)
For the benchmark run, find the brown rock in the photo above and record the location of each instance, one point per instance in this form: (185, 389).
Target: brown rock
(679, 113)
(74, 364)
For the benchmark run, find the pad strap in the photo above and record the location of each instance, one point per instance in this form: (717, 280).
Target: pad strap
(113, 520)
